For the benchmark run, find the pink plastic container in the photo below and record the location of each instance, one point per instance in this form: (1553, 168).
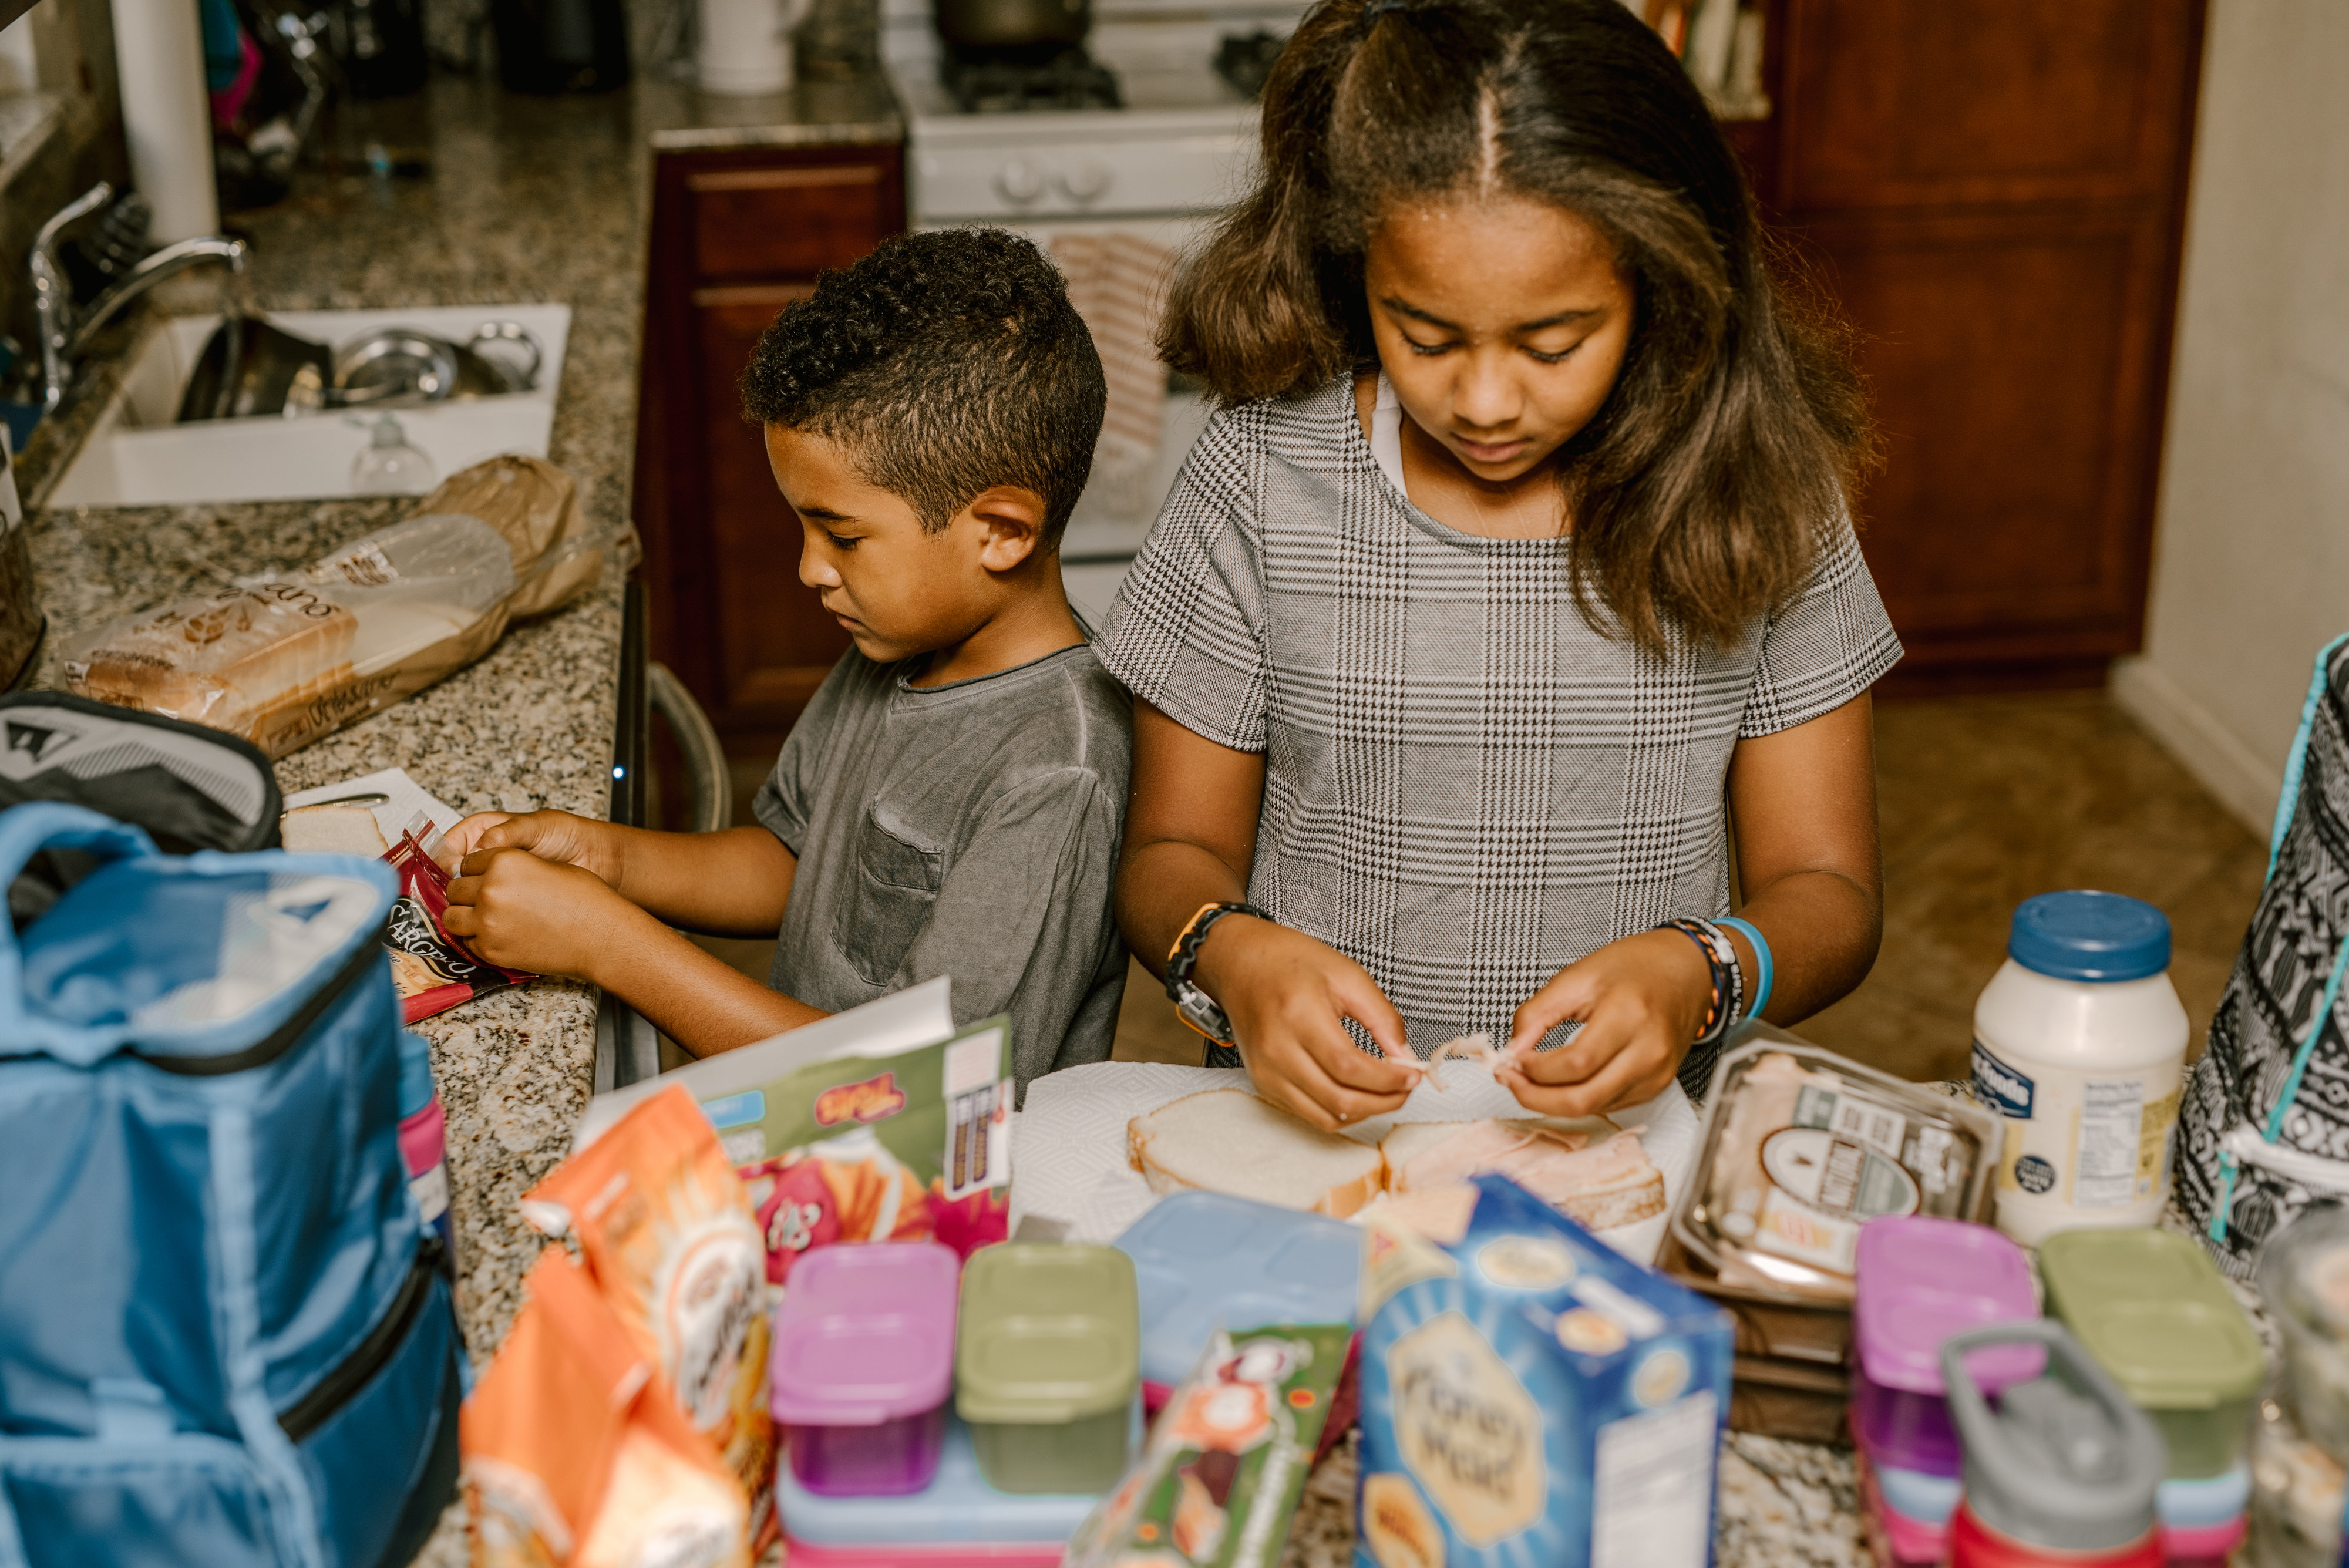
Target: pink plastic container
(864, 1366)
(2208, 1546)
(805, 1554)
(1920, 1281)
(1894, 1539)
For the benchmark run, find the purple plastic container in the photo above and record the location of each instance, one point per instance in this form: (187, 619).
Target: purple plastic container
(864, 1366)
(1920, 1281)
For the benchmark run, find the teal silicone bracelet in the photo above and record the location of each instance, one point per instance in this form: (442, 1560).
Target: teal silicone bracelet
(1762, 956)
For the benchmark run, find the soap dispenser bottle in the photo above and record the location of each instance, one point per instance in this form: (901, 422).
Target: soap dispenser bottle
(2066, 1472)
(388, 466)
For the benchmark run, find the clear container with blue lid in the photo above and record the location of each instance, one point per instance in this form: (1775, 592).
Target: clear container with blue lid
(1203, 1259)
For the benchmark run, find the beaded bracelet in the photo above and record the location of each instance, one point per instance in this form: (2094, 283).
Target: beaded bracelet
(1727, 1007)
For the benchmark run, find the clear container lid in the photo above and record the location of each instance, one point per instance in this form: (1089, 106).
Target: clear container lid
(1049, 1332)
(2150, 1307)
(1922, 1280)
(865, 1335)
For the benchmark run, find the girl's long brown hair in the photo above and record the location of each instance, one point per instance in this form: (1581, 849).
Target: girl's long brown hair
(1737, 427)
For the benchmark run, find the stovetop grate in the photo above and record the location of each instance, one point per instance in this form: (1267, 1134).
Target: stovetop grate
(1072, 79)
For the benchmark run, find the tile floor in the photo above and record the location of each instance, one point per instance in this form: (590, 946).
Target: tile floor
(1984, 801)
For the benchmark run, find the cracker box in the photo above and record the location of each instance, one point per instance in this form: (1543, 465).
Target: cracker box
(1529, 1395)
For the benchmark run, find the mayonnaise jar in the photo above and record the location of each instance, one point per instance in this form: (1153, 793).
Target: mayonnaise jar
(2080, 1043)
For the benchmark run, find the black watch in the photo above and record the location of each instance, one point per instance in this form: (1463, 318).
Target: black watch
(1195, 1006)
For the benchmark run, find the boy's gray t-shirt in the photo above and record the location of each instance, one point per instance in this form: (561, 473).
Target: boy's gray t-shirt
(971, 830)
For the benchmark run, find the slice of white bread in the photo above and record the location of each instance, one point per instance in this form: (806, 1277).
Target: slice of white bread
(333, 830)
(1228, 1141)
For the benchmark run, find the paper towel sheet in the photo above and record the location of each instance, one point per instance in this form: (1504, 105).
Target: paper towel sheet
(1068, 1147)
(403, 798)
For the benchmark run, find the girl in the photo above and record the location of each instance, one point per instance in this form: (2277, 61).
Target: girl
(1518, 550)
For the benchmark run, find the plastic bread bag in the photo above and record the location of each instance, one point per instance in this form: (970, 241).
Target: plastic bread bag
(1800, 1147)
(1217, 1482)
(575, 1451)
(672, 1244)
(283, 658)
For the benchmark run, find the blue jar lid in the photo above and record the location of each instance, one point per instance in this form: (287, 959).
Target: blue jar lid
(2081, 935)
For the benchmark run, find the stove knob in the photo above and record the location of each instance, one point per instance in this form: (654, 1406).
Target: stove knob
(1086, 182)
(1020, 181)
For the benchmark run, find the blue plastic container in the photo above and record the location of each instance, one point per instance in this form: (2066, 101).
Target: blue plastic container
(957, 1508)
(1202, 1260)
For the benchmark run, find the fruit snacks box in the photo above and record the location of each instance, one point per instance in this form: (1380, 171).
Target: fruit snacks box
(1529, 1396)
(886, 1123)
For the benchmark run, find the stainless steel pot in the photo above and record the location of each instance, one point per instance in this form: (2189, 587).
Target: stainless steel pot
(1009, 25)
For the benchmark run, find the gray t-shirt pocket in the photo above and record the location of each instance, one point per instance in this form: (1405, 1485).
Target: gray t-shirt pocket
(897, 878)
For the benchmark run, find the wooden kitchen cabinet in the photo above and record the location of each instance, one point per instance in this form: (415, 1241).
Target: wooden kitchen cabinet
(736, 235)
(1994, 191)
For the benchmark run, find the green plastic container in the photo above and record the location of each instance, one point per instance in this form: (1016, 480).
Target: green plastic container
(1048, 1358)
(2150, 1306)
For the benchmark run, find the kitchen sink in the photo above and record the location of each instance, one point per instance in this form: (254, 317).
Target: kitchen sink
(136, 456)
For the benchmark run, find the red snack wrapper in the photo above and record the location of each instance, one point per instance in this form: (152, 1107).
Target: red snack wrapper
(432, 970)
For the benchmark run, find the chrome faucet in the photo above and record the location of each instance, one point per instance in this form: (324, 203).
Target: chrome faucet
(65, 331)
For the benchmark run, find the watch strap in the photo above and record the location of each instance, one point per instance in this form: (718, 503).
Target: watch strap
(1184, 956)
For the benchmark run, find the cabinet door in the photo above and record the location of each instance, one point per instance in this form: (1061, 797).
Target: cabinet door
(1923, 103)
(736, 235)
(774, 641)
(1995, 190)
(2015, 359)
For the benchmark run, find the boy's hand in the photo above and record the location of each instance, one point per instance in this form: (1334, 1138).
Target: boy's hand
(1641, 999)
(1286, 993)
(556, 836)
(516, 910)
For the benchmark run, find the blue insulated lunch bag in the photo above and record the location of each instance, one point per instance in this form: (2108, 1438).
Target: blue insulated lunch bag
(225, 1335)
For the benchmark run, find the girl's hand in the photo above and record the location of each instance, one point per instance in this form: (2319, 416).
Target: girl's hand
(556, 836)
(520, 911)
(1640, 1000)
(1284, 993)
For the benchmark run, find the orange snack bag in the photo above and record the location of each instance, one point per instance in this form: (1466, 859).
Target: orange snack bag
(575, 1451)
(674, 1246)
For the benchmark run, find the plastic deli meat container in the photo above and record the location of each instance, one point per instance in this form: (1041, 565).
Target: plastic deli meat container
(864, 1364)
(1922, 1279)
(1801, 1149)
(2150, 1307)
(1047, 1364)
(958, 1521)
(1204, 1261)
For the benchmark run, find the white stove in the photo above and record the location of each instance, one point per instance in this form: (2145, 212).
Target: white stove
(1181, 146)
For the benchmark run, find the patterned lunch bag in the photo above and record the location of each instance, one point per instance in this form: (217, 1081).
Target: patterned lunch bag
(2265, 1128)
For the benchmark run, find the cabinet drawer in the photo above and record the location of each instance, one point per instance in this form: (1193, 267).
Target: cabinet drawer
(791, 221)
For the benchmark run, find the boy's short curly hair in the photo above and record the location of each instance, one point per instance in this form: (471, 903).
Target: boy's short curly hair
(947, 362)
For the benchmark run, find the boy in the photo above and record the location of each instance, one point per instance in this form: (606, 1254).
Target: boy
(952, 799)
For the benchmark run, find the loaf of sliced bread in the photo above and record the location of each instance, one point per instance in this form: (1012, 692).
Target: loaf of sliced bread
(1228, 1141)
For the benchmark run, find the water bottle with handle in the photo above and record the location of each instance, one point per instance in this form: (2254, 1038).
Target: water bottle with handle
(2065, 1473)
